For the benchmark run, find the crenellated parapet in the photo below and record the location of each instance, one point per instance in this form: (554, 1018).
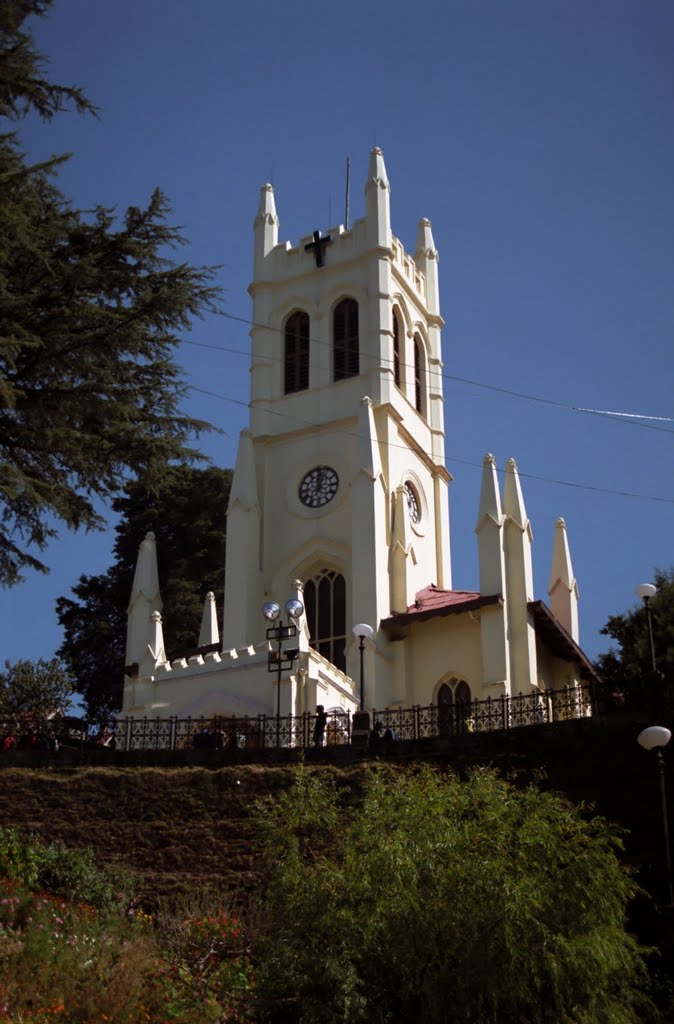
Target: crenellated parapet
(237, 657)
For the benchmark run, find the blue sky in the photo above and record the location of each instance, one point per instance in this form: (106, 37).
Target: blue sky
(538, 137)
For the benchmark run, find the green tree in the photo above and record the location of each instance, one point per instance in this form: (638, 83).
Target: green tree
(627, 669)
(91, 311)
(187, 515)
(34, 691)
(436, 900)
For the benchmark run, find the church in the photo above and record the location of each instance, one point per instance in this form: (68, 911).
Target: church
(338, 586)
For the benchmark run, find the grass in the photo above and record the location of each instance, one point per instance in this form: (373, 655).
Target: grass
(176, 829)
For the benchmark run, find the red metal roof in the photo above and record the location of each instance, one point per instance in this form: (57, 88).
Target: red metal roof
(432, 601)
(433, 597)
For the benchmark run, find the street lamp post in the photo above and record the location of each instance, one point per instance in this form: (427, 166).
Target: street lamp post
(646, 591)
(656, 737)
(363, 632)
(280, 659)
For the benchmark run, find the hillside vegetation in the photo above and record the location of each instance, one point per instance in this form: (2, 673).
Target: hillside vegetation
(176, 829)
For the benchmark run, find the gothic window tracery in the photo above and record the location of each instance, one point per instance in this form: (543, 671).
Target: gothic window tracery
(345, 339)
(325, 606)
(296, 353)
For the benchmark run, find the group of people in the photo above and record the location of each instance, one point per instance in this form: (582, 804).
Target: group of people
(31, 740)
(218, 739)
(379, 737)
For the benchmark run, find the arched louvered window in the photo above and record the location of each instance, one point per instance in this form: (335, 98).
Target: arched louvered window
(325, 605)
(296, 353)
(345, 339)
(396, 348)
(418, 374)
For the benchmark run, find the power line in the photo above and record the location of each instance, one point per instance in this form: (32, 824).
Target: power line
(448, 458)
(633, 419)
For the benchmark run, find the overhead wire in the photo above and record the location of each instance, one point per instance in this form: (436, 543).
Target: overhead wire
(301, 422)
(632, 418)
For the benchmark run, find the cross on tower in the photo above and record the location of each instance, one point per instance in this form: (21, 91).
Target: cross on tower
(318, 245)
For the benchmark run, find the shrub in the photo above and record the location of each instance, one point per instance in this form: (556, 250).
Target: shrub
(443, 901)
(61, 870)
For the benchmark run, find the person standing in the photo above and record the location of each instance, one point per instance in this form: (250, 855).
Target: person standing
(319, 725)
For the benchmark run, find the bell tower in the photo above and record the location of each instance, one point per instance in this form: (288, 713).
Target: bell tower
(340, 479)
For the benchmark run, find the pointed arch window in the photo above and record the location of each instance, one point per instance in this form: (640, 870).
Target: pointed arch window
(325, 605)
(296, 353)
(345, 339)
(396, 348)
(454, 708)
(418, 374)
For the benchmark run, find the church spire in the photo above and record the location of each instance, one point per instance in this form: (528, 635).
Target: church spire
(488, 529)
(154, 653)
(494, 619)
(517, 537)
(563, 589)
(145, 599)
(265, 227)
(426, 259)
(209, 633)
(521, 535)
(378, 202)
(242, 547)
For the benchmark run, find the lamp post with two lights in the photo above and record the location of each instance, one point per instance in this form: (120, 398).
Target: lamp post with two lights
(279, 660)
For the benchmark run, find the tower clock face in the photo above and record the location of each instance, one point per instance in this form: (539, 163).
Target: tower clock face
(318, 487)
(412, 503)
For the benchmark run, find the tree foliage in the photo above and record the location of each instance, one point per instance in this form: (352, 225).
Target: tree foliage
(443, 901)
(33, 691)
(24, 85)
(91, 310)
(627, 669)
(187, 515)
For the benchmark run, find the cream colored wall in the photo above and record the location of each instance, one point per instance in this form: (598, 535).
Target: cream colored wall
(554, 673)
(375, 447)
(438, 649)
(238, 684)
(320, 426)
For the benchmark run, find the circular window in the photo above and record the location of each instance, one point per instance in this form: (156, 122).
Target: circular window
(413, 506)
(318, 486)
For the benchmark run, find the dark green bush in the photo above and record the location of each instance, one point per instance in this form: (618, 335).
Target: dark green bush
(444, 902)
(60, 870)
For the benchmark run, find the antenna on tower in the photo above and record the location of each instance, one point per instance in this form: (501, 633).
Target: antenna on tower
(329, 210)
(346, 197)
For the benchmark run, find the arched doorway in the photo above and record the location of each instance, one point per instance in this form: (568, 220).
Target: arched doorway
(454, 708)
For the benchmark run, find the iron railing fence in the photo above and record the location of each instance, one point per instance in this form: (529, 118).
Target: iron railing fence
(266, 732)
(489, 715)
(260, 732)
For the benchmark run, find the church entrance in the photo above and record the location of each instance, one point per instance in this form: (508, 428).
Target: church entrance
(325, 605)
(454, 700)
